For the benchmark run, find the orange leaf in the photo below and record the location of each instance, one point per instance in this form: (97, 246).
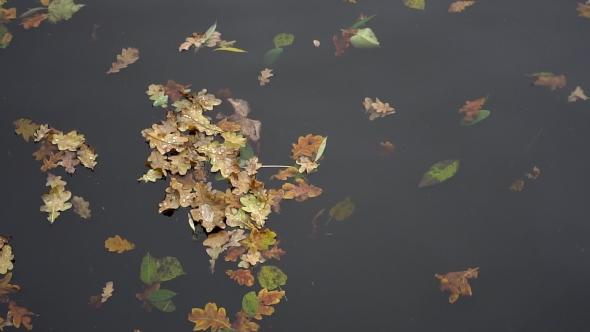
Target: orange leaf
(471, 109)
(233, 253)
(342, 44)
(33, 21)
(7, 14)
(266, 299)
(307, 146)
(118, 244)
(302, 192)
(456, 283)
(19, 315)
(551, 81)
(210, 317)
(459, 6)
(288, 172)
(243, 323)
(243, 277)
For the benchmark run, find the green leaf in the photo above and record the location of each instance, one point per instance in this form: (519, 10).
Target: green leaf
(62, 10)
(160, 295)
(230, 49)
(3, 31)
(168, 269)
(342, 210)
(364, 38)
(416, 4)
(321, 149)
(483, 114)
(361, 22)
(250, 304)
(160, 100)
(542, 73)
(165, 306)
(210, 31)
(439, 172)
(246, 152)
(283, 39)
(271, 277)
(272, 56)
(149, 268)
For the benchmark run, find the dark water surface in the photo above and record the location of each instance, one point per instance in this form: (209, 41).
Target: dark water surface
(376, 272)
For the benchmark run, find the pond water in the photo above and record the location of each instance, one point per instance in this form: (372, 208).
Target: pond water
(373, 270)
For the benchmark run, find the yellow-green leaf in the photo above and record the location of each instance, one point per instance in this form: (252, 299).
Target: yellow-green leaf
(341, 210)
(230, 49)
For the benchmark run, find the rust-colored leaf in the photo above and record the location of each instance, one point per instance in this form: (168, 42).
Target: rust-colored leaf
(33, 21)
(517, 185)
(459, 6)
(551, 81)
(243, 323)
(7, 14)
(386, 149)
(456, 283)
(173, 90)
(471, 109)
(233, 253)
(266, 299)
(241, 276)
(307, 146)
(20, 315)
(273, 252)
(344, 43)
(26, 128)
(210, 317)
(288, 172)
(301, 192)
(6, 287)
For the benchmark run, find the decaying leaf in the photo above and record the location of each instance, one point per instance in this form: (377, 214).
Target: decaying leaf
(210, 317)
(273, 252)
(118, 244)
(267, 298)
(7, 14)
(241, 276)
(128, 56)
(377, 108)
(248, 127)
(6, 258)
(386, 149)
(459, 6)
(264, 76)
(342, 210)
(517, 185)
(271, 277)
(55, 201)
(577, 93)
(343, 43)
(456, 283)
(307, 146)
(552, 81)
(81, 207)
(33, 21)
(19, 315)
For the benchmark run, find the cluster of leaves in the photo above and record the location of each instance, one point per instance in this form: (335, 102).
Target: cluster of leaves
(153, 272)
(209, 38)
(72, 151)
(254, 305)
(457, 283)
(57, 10)
(518, 184)
(459, 6)
(473, 112)
(357, 35)
(16, 315)
(281, 40)
(96, 301)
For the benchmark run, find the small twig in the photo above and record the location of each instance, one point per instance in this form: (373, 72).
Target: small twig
(283, 295)
(534, 139)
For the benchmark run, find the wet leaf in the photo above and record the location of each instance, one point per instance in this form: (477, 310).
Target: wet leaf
(6, 258)
(308, 146)
(283, 39)
(5, 286)
(168, 269)
(107, 291)
(456, 283)
(301, 192)
(118, 244)
(439, 172)
(552, 81)
(230, 49)
(210, 317)
(577, 93)
(360, 23)
(274, 252)
(241, 276)
(69, 142)
(272, 55)
(266, 299)
(342, 210)
(149, 269)
(264, 76)
(377, 108)
(5, 36)
(416, 4)
(271, 277)
(472, 109)
(321, 149)
(7, 14)
(55, 201)
(343, 43)
(62, 10)
(25, 127)
(364, 38)
(128, 56)
(19, 315)
(162, 100)
(81, 207)
(459, 6)
(33, 21)
(483, 114)
(250, 304)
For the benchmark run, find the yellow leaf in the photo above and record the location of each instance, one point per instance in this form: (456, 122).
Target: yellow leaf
(210, 317)
(230, 49)
(342, 210)
(118, 244)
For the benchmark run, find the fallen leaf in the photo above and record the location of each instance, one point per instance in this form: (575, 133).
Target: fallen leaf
(456, 283)
(471, 109)
(248, 127)
(19, 315)
(55, 201)
(7, 288)
(241, 276)
(128, 56)
(551, 81)
(210, 317)
(62, 10)
(6, 258)
(517, 185)
(342, 210)
(69, 162)
(54, 181)
(343, 43)
(25, 128)
(416, 4)
(70, 142)
(33, 21)
(534, 174)
(459, 6)
(51, 161)
(107, 291)
(242, 323)
(577, 93)
(386, 149)
(584, 9)
(377, 108)
(81, 207)
(439, 172)
(118, 244)
(364, 38)
(271, 277)
(7, 14)
(301, 192)
(264, 76)
(307, 146)
(273, 252)
(87, 155)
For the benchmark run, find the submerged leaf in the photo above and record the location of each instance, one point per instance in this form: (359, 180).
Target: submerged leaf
(342, 210)
(439, 172)
(272, 56)
(456, 283)
(364, 38)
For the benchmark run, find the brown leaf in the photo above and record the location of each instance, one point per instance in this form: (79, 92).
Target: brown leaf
(459, 6)
(264, 76)
(7, 288)
(33, 21)
(288, 172)
(344, 43)
(301, 192)
(241, 276)
(51, 161)
(128, 56)
(118, 244)
(210, 317)
(584, 9)
(7, 14)
(456, 283)
(243, 323)
(267, 299)
(45, 149)
(25, 128)
(274, 252)
(20, 315)
(233, 253)
(81, 207)
(69, 162)
(471, 109)
(552, 81)
(87, 156)
(517, 185)
(173, 89)
(386, 149)
(146, 304)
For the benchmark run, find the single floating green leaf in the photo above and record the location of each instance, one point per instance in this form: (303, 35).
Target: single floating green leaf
(361, 22)
(439, 172)
(149, 268)
(160, 295)
(321, 148)
(483, 114)
(165, 306)
(168, 269)
(230, 49)
(416, 4)
(364, 38)
(250, 304)
(272, 56)
(271, 277)
(342, 210)
(160, 101)
(283, 39)
(210, 31)
(62, 10)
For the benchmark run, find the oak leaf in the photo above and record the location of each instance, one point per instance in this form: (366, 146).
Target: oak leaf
(273, 252)
(107, 291)
(7, 288)
(6, 258)
(517, 185)
(386, 149)
(210, 317)
(242, 323)
(173, 90)
(471, 109)
(81, 207)
(232, 254)
(128, 56)
(69, 162)
(19, 315)
(459, 6)
(307, 146)
(264, 76)
(260, 240)
(71, 141)
(456, 283)
(301, 192)
(33, 21)
(45, 150)
(266, 299)
(51, 161)
(377, 108)
(306, 165)
(54, 181)
(55, 201)
(250, 259)
(87, 155)
(248, 127)
(25, 128)
(118, 244)
(241, 276)
(42, 132)
(551, 81)
(584, 9)
(343, 43)
(577, 93)
(7, 14)
(288, 172)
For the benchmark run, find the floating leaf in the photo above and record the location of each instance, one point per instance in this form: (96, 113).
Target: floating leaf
(230, 49)
(160, 295)
(5, 36)
(210, 317)
(62, 10)
(456, 283)
(271, 277)
(483, 114)
(168, 268)
(364, 38)
(416, 4)
(272, 56)
(250, 304)
(6, 258)
(439, 172)
(118, 244)
(165, 306)
(149, 269)
(160, 101)
(361, 22)
(341, 210)
(321, 148)
(210, 31)
(283, 39)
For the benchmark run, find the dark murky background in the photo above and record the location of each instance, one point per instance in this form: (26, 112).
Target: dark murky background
(377, 269)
